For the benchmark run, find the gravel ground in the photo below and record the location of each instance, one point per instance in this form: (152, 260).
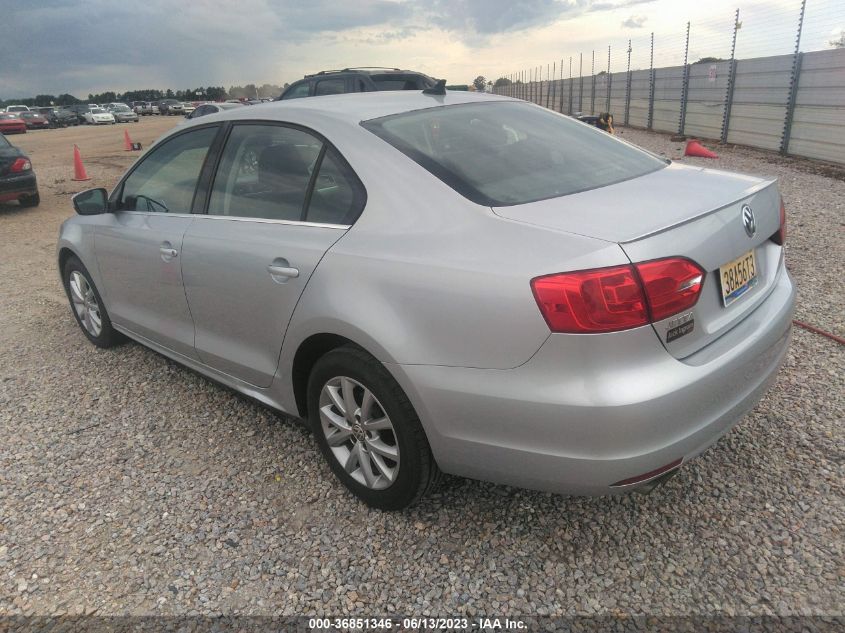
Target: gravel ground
(129, 485)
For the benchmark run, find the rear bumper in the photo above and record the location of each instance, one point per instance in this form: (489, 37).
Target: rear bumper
(12, 188)
(590, 411)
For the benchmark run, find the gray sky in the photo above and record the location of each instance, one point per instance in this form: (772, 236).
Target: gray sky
(56, 46)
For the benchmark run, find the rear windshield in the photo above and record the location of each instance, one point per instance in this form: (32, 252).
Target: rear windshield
(398, 82)
(507, 153)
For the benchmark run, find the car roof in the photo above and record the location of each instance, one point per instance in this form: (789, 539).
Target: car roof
(355, 107)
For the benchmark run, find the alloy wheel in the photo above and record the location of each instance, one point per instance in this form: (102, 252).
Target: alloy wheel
(359, 432)
(85, 303)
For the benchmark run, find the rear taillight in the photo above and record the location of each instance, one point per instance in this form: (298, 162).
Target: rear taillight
(21, 164)
(619, 297)
(591, 301)
(780, 236)
(671, 285)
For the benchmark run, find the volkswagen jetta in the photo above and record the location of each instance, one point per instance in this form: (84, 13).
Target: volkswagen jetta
(453, 283)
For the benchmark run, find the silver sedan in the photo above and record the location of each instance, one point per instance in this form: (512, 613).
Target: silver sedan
(453, 282)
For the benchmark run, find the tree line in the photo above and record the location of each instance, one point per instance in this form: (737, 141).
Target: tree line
(203, 93)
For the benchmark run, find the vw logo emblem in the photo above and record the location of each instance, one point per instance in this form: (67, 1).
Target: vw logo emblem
(748, 221)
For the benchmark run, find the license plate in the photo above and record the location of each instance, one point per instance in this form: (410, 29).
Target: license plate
(738, 277)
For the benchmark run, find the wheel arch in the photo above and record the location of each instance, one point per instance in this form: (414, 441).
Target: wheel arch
(307, 354)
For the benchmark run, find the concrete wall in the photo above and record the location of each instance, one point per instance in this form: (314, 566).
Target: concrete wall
(759, 107)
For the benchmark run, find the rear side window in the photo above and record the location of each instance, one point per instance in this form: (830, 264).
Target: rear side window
(297, 92)
(265, 172)
(330, 87)
(506, 153)
(166, 179)
(338, 196)
(392, 82)
(282, 173)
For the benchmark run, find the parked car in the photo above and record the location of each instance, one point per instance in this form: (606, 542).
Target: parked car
(98, 116)
(57, 117)
(211, 108)
(11, 123)
(330, 82)
(188, 107)
(17, 179)
(170, 107)
(122, 113)
(142, 108)
(79, 109)
(17, 108)
(34, 120)
(344, 263)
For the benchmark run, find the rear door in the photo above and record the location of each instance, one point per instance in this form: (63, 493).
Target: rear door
(139, 244)
(281, 197)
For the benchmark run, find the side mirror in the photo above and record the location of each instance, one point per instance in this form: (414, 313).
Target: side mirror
(91, 202)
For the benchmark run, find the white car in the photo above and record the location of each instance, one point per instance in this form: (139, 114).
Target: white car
(17, 108)
(96, 116)
(188, 107)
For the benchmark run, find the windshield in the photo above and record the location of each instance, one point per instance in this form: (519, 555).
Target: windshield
(121, 108)
(18, 108)
(97, 111)
(505, 153)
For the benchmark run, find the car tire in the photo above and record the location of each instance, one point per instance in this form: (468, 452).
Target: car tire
(81, 301)
(349, 373)
(30, 201)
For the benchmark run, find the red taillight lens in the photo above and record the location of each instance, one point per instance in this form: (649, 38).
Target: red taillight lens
(21, 164)
(780, 236)
(617, 298)
(671, 285)
(591, 301)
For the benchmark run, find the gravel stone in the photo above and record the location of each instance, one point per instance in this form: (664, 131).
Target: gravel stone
(137, 487)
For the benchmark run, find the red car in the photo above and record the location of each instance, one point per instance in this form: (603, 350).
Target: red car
(34, 121)
(12, 124)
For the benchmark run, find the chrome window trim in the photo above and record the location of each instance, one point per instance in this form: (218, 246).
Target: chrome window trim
(319, 225)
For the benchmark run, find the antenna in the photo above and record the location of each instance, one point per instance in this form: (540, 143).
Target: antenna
(438, 88)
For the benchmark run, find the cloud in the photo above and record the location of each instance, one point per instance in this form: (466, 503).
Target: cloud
(487, 17)
(635, 22)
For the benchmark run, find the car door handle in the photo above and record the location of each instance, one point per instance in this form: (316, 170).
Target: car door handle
(283, 271)
(167, 251)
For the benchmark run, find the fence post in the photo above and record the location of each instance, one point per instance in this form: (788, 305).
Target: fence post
(729, 93)
(554, 84)
(548, 86)
(628, 87)
(560, 99)
(609, 82)
(684, 87)
(581, 82)
(650, 122)
(593, 81)
(793, 84)
(571, 85)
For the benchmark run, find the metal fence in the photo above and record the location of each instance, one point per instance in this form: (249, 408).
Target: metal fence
(791, 101)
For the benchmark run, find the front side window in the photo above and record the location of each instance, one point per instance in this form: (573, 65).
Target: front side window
(330, 87)
(166, 179)
(504, 153)
(265, 172)
(297, 91)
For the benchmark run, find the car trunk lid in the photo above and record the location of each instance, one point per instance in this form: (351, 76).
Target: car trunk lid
(679, 211)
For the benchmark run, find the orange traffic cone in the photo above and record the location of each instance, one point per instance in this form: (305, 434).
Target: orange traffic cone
(78, 168)
(127, 142)
(694, 148)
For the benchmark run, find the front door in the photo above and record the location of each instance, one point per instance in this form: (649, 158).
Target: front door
(139, 245)
(246, 262)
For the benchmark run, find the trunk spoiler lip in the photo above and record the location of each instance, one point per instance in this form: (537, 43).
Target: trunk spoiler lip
(756, 188)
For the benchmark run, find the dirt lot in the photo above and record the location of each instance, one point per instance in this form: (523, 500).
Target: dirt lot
(131, 485)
